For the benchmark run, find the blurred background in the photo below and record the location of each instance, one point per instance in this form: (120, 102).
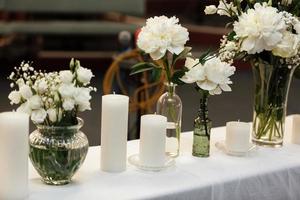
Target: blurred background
(101, 34)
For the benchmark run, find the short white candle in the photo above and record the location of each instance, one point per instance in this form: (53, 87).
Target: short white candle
(296, 129)
(237, 136)
(153, 140)
(14, 130)
(114, 129)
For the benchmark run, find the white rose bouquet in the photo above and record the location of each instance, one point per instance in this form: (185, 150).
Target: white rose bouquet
(266, 33)
(164, 40)
(52, 98)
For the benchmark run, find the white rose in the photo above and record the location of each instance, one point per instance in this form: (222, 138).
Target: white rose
(66, 90)
(82, 95)
(68, 104)
(162, 34)
(84, 75)
(52, 114)
(38, 116)
(288, 47)
(24, 108)
(210, 10)
(35, 102)
(66, 76)
(42, 86)
(25, 91)
(14, 97)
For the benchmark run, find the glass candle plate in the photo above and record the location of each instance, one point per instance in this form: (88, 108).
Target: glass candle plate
(221, 146)
(135, 161)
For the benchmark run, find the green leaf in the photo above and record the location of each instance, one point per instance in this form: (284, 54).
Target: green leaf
(203, 56)
(142, 67)
(156, 73)
(177, 75)
(182, 55)
(231, 36)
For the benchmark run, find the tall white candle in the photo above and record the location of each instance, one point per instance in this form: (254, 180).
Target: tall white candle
(14, 130)
(296, 129)
(114, 132)
(153, 140)
(237, 136)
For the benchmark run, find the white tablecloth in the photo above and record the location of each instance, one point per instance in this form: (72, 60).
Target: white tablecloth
(272, 174)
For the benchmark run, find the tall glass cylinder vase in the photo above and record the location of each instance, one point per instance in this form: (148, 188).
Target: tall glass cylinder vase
(170, 106)
(202, 127)
(272, 82)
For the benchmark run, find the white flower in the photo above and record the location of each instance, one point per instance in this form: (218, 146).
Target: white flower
(213, 76)
(38, 116)
(162, 34)
(230, 46)
(52, 114)
(24, 108)
(20, 82)
(35, 102)
(82, 95)
(260, 28)
(42, 86)
(210, 10)
(11, 76)
(288, 47)
(25, 91)
(297, 27)
(68, 104)
(66, 76)
(66, 90)
(84, 106)
(226, 9)
(84, 75)
(14, 97)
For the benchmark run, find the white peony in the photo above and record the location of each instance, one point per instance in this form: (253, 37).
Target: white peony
(52, 114)
(35, 102)
(288, 47)
(38, 116)
(66, 90)
(66, 76)
(14, 97)
(162, 34)
(260, 28)
(84, 75)
(25, 91)
(24, 108)
(213, 76)
(68, 104)
(210, 10)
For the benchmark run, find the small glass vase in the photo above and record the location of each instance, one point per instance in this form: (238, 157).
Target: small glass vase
(170, 106)
(202, 128)
(58, 152)
(272, 82)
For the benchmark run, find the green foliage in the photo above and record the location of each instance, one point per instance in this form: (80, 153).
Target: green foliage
(177, 75)
(142, 67)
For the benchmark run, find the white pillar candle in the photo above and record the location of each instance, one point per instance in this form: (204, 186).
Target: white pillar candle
(296, 129)
(153, 140)
(237, 136)
(14, 130)
(114, 132)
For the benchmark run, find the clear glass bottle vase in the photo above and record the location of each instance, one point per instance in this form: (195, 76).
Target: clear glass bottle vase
(170, 105)
(202, 127)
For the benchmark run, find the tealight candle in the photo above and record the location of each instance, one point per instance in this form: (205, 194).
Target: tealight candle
(114, 132)
(296, 129)
(153, 140)
(237, 136)
(14, 130)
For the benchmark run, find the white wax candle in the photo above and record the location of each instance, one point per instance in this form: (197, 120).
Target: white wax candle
(296, 129)
(114, 132)
(14, 130)
(237, 136)
(153, 140)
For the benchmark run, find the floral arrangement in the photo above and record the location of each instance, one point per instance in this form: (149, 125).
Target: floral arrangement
(164, 40)
(52, 98)
(266, 33)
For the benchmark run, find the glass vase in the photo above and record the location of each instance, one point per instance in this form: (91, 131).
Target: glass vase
(58, 152)
(170, 106)
(271, 82)
(202, 127)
